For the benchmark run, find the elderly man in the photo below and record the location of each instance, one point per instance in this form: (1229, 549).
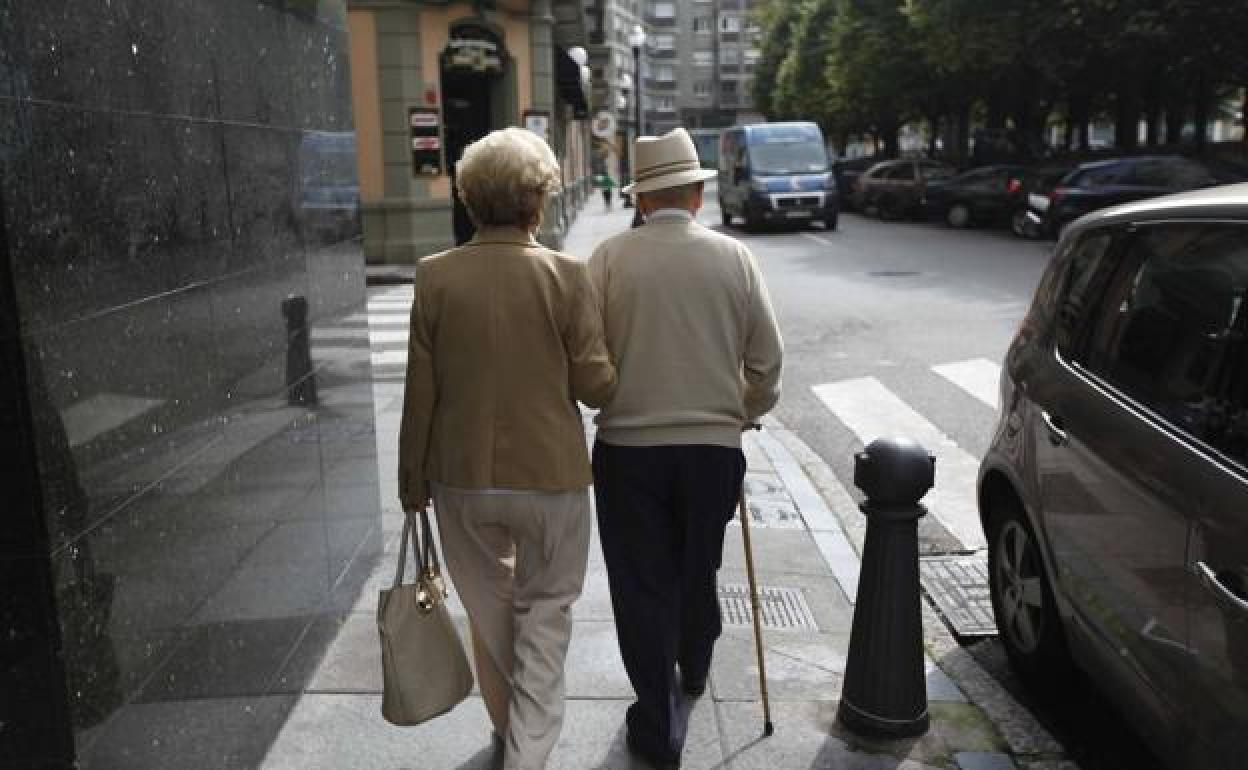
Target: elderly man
(690, 328)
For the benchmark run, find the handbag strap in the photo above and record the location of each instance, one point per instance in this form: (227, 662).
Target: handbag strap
(425, 552)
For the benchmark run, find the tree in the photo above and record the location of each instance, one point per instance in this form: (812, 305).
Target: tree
(777, 19)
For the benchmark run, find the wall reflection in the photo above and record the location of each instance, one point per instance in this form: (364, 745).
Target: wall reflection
(172, 174)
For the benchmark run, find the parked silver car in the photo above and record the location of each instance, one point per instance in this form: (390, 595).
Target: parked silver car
(1114, 495)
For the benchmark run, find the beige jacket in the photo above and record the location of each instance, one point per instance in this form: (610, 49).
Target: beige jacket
(505, 338)
(690, 327)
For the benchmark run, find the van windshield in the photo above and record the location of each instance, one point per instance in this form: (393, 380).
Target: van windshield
(788, 157)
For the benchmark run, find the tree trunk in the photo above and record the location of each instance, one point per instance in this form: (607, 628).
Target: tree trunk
(1126, 122)
(1153, 137)
(1080, 107)
(1200, 111)
(961, 132)
(1243, 116)
(1175, 114)
(890, 133)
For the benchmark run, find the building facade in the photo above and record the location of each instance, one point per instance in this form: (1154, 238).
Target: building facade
(718, 41)
(190, 482)
(429, 78)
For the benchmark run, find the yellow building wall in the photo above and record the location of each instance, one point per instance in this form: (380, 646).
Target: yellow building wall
(366, 104)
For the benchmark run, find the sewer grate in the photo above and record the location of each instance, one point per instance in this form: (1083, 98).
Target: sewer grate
(959, 587)
(783, 609)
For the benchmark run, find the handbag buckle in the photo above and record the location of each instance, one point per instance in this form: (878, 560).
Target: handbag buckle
(423, 602)
(433, 578)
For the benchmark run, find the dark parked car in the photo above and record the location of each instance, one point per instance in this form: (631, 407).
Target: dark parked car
(895, 188)
(984, 195)
(847, 171)
(1103, 183)
(1114, 494)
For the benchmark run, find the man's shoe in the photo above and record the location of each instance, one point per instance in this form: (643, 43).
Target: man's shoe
(655, 761)
(693, 689)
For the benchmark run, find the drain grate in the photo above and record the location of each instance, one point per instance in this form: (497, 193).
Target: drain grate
(959, 587)
(772, 514)
(783, 609)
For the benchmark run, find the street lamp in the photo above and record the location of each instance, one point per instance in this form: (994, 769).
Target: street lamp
(626, 85)
(637, 38)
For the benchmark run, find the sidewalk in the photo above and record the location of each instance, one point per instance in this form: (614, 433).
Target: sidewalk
(807, 536)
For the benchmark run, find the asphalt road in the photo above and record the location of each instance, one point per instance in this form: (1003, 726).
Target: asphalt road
(877, 311)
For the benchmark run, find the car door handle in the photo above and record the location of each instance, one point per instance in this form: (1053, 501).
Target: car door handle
(1057, 436)
(1227, 598)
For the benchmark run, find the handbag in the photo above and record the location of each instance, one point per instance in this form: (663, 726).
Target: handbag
(425, 672)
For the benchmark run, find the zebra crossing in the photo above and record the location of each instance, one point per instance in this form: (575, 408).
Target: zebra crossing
(865, 406)
(389, 312)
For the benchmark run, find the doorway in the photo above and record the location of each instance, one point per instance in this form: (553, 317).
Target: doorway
(474, 68)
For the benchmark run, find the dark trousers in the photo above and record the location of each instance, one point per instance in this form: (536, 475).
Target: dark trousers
(661, 517)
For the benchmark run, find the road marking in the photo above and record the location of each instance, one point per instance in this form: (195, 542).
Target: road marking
(389, 357)
(334, 333)
(872, 411)
(389, 320)
(386, 336)
(818, 238)
(389, 305)
(978, 376)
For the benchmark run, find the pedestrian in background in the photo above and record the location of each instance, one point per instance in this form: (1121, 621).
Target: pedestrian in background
(505, 337)
(608, 186)
(690, 328)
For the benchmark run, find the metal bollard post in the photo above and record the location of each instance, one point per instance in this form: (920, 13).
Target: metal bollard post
(300, 381)
(885, 688)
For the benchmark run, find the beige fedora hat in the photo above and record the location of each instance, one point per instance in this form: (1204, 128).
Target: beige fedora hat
(666, 161)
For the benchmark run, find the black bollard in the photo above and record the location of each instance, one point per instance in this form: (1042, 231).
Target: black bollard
(885, 689)
(300, 381)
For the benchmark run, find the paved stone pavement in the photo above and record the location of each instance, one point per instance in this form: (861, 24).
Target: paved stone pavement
(800, 519)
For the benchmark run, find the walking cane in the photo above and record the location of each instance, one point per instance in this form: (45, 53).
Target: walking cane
(768, 728)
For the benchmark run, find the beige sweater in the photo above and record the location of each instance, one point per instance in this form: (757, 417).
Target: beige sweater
(690, 328)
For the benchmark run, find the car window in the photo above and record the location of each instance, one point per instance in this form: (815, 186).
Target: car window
(1165, 320)
(1087, 270)
(902, 171)
(1149, 173)
(1186, 175)
(1101, 176)
(937, 171)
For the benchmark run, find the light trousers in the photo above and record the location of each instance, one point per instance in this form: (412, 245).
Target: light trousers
(518, 560)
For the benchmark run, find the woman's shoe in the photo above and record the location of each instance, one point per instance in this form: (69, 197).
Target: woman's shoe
(658, 763)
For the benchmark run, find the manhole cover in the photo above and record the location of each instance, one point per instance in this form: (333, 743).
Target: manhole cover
(772, 514)
(892, 273)
(784, 609)
(959, 586)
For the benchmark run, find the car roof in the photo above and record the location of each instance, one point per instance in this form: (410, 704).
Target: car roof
(1227, 201)
(1095, 164)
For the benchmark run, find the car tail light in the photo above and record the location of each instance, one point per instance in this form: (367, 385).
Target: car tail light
(1014, 187)
(1057, 194)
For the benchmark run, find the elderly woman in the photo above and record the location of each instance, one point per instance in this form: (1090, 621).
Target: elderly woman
(505, 338)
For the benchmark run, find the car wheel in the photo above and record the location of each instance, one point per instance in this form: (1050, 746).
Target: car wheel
(830, 222)
(1022, 599)
(1020, 225)
(958, 215)
(753, 222)
(724, 215)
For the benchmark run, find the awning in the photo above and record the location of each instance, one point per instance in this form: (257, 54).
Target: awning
(569, 85)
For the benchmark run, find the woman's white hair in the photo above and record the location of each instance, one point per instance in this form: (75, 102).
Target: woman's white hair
(505, 177)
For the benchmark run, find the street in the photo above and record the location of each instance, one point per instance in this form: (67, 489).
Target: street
(918, 315)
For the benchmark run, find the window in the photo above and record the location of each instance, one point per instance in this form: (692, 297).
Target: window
(703, 59)
(729, 23)
(702, 88)
(728, 88)
(666, 74)
(1085, 274)
(902, 172)
(729, 56)
(663, 42)
(663, 10)
(665, 103)
(1165, 325)
(702, 25)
